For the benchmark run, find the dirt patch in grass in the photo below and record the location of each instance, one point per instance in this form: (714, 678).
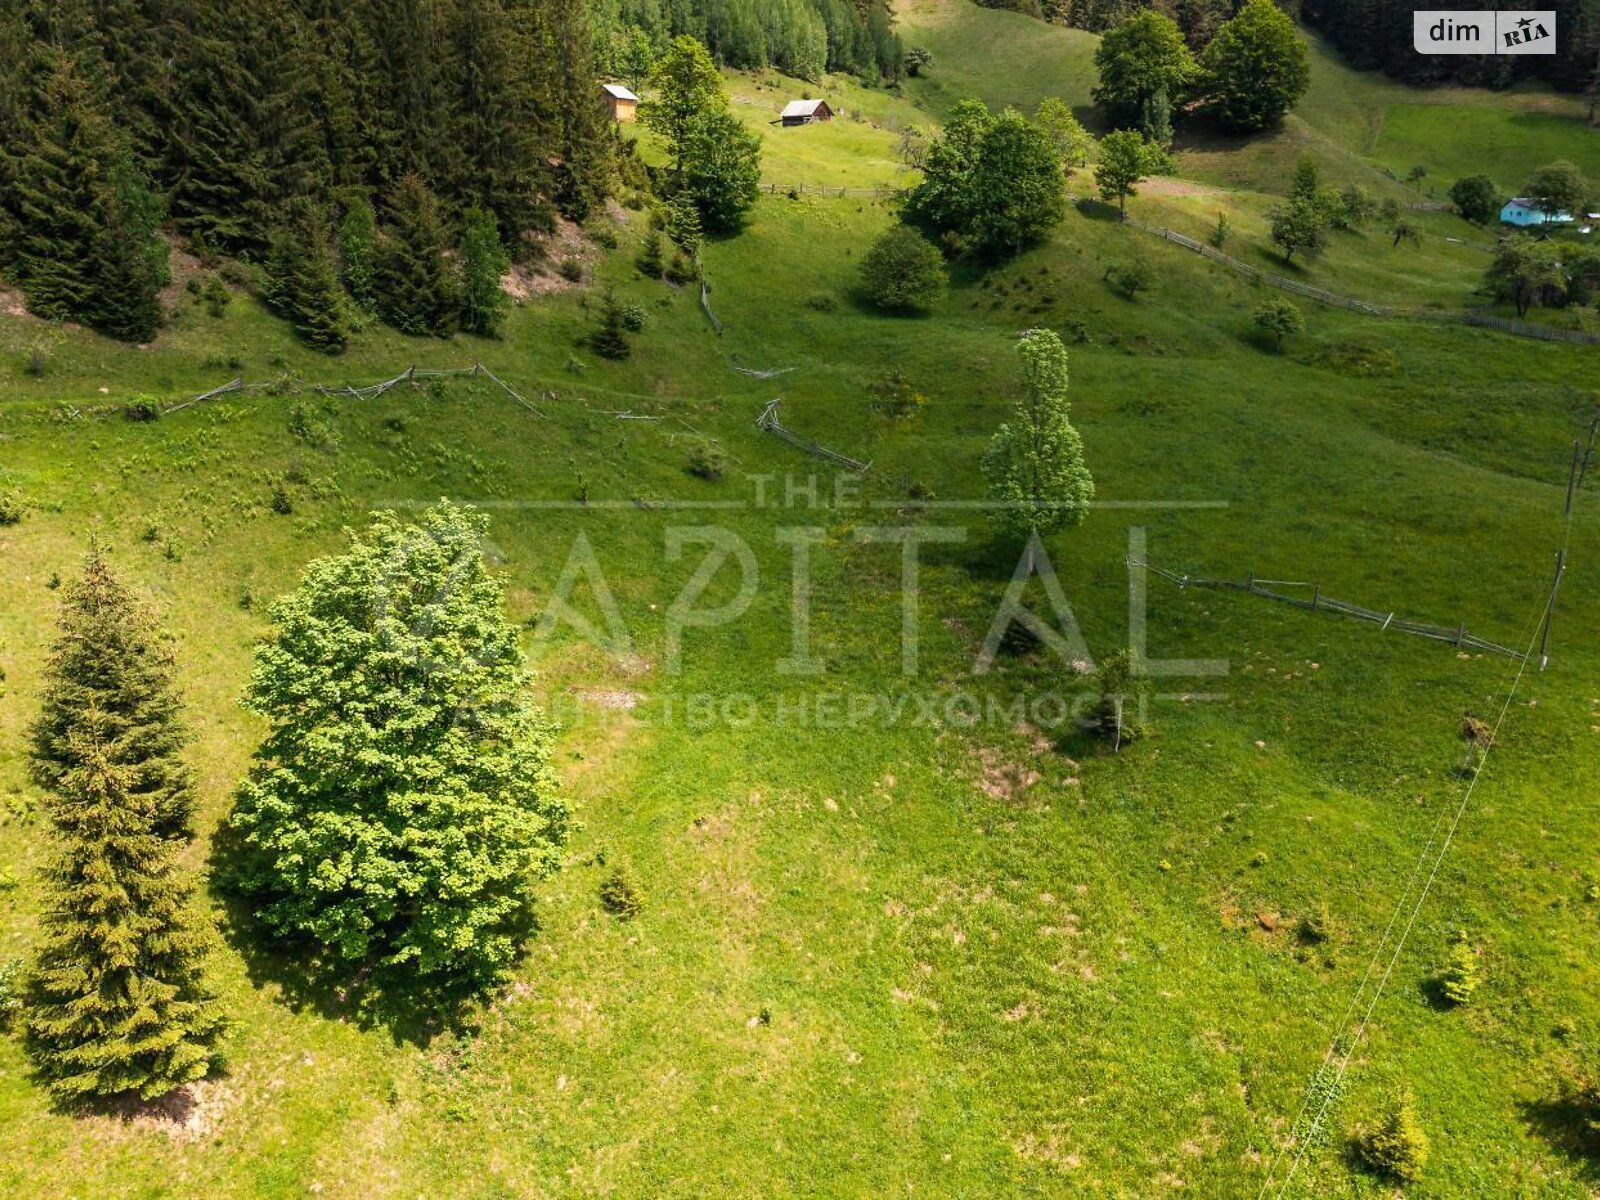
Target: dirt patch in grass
(1000, 779)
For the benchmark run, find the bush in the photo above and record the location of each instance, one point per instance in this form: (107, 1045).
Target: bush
(12, 506)
(822, 302)
(619, 893)
(1122, 686)
(570, 269)
(903, 272)
(707, 461)
(892, 396)
(10, 991)
(634, 317)
(1131, 277)
(1278, 318)
(1397, 1146)
(610, 340)
(142, 409)
(1221, 232)
(1461, 975)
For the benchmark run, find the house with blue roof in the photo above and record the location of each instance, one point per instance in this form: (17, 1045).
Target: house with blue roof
(1519, 210)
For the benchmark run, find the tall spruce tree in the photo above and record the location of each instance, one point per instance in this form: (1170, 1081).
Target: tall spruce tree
(303, 280)
(416, 282)
(116, 1002)
(110, 656)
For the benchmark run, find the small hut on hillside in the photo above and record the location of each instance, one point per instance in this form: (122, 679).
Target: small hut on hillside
(622, 104)
(804, 112)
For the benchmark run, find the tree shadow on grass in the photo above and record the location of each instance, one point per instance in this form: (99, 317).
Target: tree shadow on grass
(411, 1009)
(1564, 1124)
(1098, 210)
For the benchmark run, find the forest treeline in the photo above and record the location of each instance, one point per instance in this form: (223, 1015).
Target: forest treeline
(801, 37)
(242, 123)
(1370, 34)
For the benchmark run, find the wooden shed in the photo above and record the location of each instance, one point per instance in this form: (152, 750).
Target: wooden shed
(622, 104)
(804, 112)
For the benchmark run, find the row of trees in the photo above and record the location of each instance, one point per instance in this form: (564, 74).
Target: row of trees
(394, 819)
(1377, 34)
(233, 120)
(1253, 70)
(800, 37)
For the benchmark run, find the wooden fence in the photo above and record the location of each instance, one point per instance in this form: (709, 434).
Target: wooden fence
(1317, 602)
(768, 422)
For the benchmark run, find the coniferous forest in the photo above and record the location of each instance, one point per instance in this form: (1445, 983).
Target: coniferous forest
(318, 138)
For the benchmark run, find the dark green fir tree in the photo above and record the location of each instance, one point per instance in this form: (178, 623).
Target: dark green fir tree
(416, 283)
(116, 1002)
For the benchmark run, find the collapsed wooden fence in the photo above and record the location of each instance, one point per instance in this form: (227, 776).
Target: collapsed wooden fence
(768, 422)
(1317, 602)
(371, 391)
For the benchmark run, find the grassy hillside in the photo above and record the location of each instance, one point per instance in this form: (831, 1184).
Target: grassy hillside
(992, 961)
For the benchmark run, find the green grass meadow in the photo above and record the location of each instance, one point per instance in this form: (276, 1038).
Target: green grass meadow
(992, 961)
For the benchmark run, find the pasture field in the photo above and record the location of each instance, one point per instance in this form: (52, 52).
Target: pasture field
(890, 951)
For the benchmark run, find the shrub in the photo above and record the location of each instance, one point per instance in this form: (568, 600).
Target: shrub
(893, 396)
(570, 269)
(652, 255)
(706, 460)
(1277, 318)
(141, 408)
(1397, 1146)
(634, 317)
(1461, 975)
(822, 302)
(619, 893)
(10, 991)
(12, 506)
(903, 272)
(1122, 686)
(282, 504)
(1131, 277)
(1315, 928)
(610, 340)
(1221, 232)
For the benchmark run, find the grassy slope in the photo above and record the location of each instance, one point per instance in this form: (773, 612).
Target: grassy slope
(971, 994)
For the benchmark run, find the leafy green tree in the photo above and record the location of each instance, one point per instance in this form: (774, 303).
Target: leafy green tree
(358, 250)
(918, 59)
(1255, 70)
(720, 165)
(1072, 141)
(1035, 464)
(944, 197)
(687, 86)
(1526, 272)
(1299, 227)
(1015, 190)
(303, 282)
(1131, 276)
(903, 272)
(1125, 160)
(1476, 198)
(1404, 231)
(1278, 318)
(484, 263)
(116, 1002)
(402, 803)
(1558, 187)
(1305, 185)
(1352, 208)
(1145, 55)
(416, 283)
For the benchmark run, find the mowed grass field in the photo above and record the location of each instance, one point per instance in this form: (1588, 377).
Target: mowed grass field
(991, 961)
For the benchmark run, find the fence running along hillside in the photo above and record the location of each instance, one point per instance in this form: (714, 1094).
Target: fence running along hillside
(842, 193)
(1527, 329)
(370, 392)
(768, 422)
(1317, 602)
